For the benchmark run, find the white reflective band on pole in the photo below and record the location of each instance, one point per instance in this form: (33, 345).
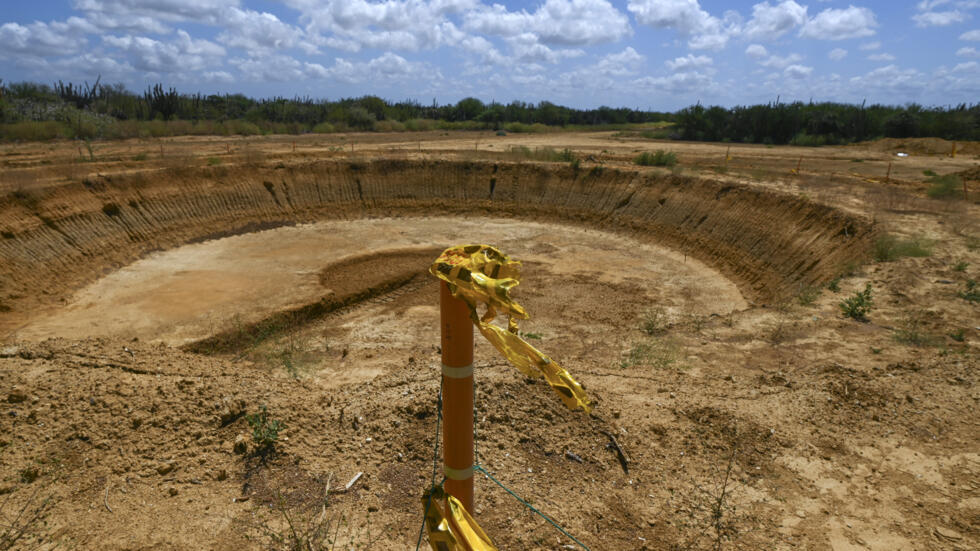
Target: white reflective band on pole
(457, 372)
(458, 474)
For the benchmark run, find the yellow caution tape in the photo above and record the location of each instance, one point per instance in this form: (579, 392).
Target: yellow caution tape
(458, 532)
(483, 274)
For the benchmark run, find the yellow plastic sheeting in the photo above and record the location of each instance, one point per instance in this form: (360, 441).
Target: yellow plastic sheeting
(458, 532)
(482, 274)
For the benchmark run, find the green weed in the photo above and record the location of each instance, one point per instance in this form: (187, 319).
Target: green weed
(912, 333)
(655, 353)
(888, 248)
(944, 187)
(655, 321)
(858, 306)
(808, 295)
(970, 291)
(265, 431)
(657, 158)
(834, 284)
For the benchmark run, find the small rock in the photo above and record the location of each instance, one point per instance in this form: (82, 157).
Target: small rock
(16, 396)
(166, 468)
(172, 491)
(372, 508)
(241, 444)
(801, 513)
(9, 351)
(231, 411)
(947, 534)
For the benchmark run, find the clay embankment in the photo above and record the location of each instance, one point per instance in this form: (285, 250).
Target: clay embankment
(54, 240)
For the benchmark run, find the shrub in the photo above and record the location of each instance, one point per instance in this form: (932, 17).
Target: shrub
(808, 140)
(265, 431)
(888, 248)
(970, 291)
(834, 284)
(944, 187)
(389, 126)
(858, 306)
(420, 125)
(657, 158)
(519, 127)
(659, 354)
(808, 295)
(33, 131)
(655, 321)
(912, 333)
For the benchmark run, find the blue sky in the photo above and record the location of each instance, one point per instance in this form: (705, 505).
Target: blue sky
(649, 54)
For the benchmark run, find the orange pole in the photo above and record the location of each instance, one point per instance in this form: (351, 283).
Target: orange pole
(457, 396)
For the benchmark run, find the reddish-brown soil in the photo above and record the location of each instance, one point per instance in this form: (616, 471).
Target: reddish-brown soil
(148, 303)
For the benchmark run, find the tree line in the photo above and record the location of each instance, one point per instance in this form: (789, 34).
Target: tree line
(801, 123)
(30, 110)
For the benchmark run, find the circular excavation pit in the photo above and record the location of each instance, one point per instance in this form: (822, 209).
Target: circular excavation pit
(176, 304)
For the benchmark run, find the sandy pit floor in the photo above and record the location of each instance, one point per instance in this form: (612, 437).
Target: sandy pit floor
(188, 293)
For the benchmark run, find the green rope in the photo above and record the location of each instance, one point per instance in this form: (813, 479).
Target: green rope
(529, 506)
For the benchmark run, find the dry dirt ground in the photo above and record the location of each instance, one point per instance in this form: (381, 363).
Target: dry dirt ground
(751, 420)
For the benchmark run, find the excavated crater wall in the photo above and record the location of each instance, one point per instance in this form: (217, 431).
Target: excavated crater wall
(770, 244)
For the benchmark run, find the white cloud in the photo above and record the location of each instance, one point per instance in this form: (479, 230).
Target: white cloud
(840, 24)
(706, 31)
(44, 39)
(253, 31)
(690, 61)
(559, 22)
(881, 57)
(622, 64)
(146, 14)
(769, 22)
(968, 52)
(939, 18)
(90, 64)
(973, 35)
(894, 80)
(868, 46)
(969, 66)
(183, 53)
(780, 62)
(756, 51)
(406, 25)
(837, 54)
(798, 71)
(383, 70)
(223, 77)
(677, 83)
(927, 5)
(579, 22)
(270, 68)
